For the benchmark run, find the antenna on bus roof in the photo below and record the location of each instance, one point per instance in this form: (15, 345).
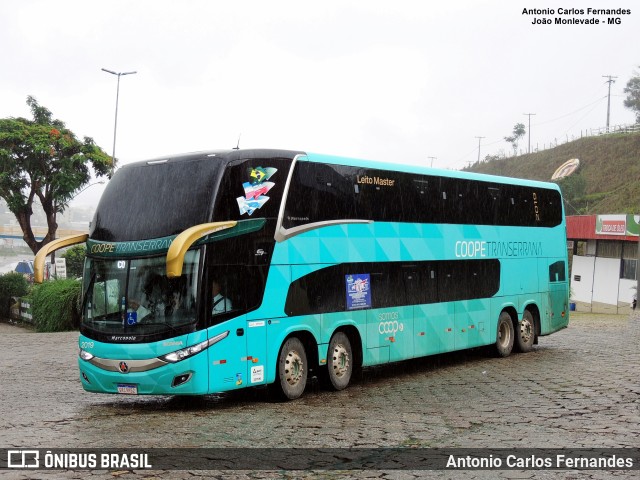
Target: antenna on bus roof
(237, 147)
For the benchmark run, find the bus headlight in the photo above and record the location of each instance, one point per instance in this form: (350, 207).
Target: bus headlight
(184, 353)
(84, 355)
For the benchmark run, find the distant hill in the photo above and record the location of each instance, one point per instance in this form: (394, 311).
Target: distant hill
(607, 181)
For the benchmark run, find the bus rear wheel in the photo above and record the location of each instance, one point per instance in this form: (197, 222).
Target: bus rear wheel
(292, 369)
(526, 332)
(340, 361)
(504, 335)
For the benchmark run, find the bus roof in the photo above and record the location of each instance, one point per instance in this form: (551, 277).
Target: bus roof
(229, 155)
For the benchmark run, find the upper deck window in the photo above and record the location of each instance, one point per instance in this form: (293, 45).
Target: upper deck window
(322, 192)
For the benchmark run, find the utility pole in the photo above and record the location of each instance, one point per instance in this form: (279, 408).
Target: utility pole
(529, 114)
(479, 140)
(432, 159)
(610, 81)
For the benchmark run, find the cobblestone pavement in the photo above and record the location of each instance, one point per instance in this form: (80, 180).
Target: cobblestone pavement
(578, 388)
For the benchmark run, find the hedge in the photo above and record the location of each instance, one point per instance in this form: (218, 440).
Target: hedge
(12, 284)
(55, 305)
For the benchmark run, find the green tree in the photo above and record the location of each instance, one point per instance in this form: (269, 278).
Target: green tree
(518, 133)
(43, 159)
(75, 260)
(633, 96)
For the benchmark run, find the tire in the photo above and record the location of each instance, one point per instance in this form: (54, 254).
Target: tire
(504, 335)
(526, 332)
(339, 361)
(292, 369)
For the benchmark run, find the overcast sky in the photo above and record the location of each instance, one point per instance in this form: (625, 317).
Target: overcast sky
(392, 80)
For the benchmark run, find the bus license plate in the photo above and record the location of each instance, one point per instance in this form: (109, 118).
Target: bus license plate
(127, 389)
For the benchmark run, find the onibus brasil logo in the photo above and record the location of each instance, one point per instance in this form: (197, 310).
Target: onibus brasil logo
(255, 189)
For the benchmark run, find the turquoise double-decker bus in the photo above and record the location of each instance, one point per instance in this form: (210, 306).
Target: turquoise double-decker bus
(214, 271)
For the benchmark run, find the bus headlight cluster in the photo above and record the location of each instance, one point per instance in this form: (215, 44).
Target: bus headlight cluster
(84, 355)
(184, 353)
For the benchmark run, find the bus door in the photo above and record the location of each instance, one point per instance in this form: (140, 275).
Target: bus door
(228, 366)
(257, 322)
(231, 359)
(558, 300)
(256, 338)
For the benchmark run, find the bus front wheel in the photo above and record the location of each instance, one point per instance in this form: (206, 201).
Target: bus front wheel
(504, 335)
(526, 332)
(340, 361)
(292, 369)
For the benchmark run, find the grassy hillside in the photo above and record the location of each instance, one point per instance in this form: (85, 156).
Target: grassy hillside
(608, 180)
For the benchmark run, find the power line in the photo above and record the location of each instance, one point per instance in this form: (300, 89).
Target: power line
(571, 113)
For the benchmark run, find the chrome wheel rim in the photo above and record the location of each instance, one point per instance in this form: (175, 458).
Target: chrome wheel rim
(504, 335)
(340, 361)
(293, 368)
(526, 330)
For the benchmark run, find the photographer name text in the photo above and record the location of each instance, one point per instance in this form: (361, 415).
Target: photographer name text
(576, 16)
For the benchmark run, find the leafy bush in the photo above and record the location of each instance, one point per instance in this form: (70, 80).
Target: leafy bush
(75, 260)
(12, 284)
(55, 305)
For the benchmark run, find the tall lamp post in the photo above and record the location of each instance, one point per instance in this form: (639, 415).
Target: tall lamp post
(115, 126)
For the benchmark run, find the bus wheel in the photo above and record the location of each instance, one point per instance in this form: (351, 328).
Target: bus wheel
(340, 361)
(504, 335)
(526, 332)
(292, 369)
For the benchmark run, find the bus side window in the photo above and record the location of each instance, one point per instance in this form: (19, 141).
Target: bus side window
(557, 272)
(242, 285)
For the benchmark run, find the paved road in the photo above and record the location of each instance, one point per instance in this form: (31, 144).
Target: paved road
(578, 388)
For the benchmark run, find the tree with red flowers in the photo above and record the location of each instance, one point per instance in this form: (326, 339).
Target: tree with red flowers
(43, 159)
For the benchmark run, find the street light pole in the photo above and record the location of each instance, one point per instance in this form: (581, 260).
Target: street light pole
(115, 126)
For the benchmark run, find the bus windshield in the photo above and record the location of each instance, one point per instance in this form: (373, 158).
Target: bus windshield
(135, 296)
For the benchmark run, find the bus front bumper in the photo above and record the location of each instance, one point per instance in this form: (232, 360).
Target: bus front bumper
(188, 377)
